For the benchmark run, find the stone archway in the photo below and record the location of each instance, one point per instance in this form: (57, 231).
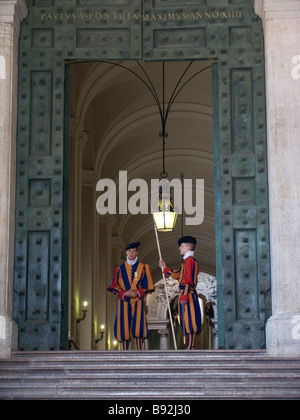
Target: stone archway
(127, 137)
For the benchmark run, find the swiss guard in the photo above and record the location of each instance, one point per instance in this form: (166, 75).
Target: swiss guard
(189, 307)
(131, 282)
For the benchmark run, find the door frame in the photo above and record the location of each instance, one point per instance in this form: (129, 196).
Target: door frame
(50, 36)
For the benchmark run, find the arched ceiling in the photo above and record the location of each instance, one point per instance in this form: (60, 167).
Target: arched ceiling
(123, 123)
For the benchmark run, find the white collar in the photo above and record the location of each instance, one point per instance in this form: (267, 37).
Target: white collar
(188, 254)
(131, 262)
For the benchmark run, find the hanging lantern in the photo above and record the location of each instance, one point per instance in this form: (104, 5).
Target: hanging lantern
(165, 218)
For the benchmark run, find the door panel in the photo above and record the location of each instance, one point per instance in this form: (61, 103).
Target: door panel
(52, 34)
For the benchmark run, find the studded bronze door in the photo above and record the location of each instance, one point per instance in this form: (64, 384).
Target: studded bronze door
(226, 31)
(54, 32)
(229, 32)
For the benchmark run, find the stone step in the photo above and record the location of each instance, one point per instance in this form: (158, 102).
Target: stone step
(154, 354)
(116, 368)
(156, 392)
(96, 358)
(149, 374)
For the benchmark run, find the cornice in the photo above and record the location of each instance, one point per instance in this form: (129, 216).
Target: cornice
(277, 9)
(13, 12)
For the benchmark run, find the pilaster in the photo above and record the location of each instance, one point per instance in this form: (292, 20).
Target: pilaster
(12, 12)
(281, 21)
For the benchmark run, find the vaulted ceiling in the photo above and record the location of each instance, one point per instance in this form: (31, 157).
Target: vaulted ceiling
(122, 123)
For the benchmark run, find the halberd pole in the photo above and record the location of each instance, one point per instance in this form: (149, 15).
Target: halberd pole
(165, 284)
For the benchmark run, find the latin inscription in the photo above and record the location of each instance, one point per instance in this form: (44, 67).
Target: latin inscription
(147, 17)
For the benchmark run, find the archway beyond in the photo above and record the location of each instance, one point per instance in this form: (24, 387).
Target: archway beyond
(115, 127)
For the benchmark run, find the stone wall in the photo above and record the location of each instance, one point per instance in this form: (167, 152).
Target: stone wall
(281, 21)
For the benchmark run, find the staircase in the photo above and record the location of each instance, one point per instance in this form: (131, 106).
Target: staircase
(155, 375)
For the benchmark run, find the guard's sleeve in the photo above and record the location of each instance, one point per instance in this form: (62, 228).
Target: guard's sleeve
(184, 297)
(175, 274)
(114, 285)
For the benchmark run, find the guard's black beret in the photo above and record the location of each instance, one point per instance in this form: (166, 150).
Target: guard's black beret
(133, 245)
(187, 240)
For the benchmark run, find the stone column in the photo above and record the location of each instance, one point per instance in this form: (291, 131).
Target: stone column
(12, 12)
(281, 21)
(78, 140)
(103, 276)
(163, 339)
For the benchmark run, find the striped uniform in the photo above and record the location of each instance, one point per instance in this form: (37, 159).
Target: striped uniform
(131, 312)
(190, 314)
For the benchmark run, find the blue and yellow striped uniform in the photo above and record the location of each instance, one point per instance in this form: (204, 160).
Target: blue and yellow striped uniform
(131, 312)
(190, 314)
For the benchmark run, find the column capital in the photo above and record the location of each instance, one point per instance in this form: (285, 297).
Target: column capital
(164, 332)
(277, 9)
(13, 12)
